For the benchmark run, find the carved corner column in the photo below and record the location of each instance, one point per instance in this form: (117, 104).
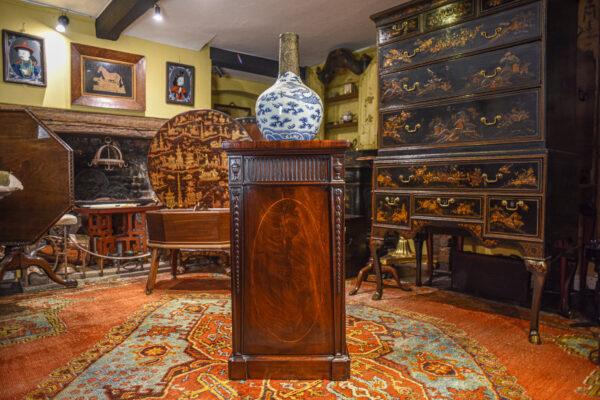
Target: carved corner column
(236, 361)
(341, 360)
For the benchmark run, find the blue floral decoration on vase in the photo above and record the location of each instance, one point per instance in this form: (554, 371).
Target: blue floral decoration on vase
(289, 110)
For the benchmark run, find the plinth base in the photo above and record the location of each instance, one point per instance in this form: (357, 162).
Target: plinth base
(336, 368)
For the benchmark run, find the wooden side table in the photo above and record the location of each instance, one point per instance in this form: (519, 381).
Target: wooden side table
(287, 252)
(100, 227)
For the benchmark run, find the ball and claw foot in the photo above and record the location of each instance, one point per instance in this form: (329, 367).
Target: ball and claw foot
(376, 296)
(148, 291)
(534, 337)
(71, 283)
(352, 292)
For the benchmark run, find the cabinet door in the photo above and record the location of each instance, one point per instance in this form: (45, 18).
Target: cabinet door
(287, 284)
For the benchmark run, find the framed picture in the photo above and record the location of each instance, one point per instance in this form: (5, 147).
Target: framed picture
(24, 58)
(107, 78)
(180, 84)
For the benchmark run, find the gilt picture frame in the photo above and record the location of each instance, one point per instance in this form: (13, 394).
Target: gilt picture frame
(24, 58)
(180, 84)
(107, 78)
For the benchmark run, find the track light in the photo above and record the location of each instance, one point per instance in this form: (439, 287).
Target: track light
(63, 21)
(157, 15)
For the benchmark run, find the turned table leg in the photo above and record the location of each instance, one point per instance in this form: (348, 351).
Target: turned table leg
(419, 254)
(16, 259)
(362, 274)
(429, 257)
(174, 259)
(153, 270)
(375, 246)
(538, 271)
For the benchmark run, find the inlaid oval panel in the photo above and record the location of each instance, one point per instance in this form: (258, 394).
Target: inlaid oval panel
(285, 254)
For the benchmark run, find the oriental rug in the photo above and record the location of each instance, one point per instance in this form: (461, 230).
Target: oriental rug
(111, 341)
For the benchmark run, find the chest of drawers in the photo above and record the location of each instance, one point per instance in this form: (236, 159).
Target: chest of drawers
(476, 101)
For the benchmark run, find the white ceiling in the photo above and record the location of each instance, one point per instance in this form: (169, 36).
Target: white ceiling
(92, 8)
(253, 26)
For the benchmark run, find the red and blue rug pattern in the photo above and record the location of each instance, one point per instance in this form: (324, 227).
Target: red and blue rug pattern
(178, 345)
(20, 323)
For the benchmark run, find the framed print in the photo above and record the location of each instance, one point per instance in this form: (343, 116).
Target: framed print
(24, 58)
(107, 78)
(180, 84)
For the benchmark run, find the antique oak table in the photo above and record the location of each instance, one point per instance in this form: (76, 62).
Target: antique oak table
(287, 256)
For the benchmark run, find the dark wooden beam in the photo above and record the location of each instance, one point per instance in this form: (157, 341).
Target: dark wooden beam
(118, 15)
(247, 63)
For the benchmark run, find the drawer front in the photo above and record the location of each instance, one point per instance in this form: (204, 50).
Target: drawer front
(514, 67)
(504, 174)
(513, 216)
(500, 119)
(505, 27)
(490, 5)
(449, 14)
(448, 206)
(398, 29)
(392, 209)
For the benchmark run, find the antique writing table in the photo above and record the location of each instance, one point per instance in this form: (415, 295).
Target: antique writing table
(287, 258)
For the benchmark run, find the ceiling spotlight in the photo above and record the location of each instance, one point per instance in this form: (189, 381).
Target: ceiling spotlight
(63, 21)
(157, 15)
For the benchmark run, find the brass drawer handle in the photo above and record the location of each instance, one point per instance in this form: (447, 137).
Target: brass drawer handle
(482, 73)
(392, 202)
(401, 177)
(446, 203)
(414, 87)
(496, 32)
(494, 122)
(414, 53)
(399, 28)
(416, 128)
(518, 204)
(498, 176)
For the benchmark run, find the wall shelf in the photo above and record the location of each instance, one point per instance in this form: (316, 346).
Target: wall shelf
(349, 96)
(342, 125)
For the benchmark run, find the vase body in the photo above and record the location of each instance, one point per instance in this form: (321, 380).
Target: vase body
(289, 110)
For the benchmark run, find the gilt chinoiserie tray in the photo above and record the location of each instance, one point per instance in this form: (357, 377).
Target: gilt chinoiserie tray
(186, 163)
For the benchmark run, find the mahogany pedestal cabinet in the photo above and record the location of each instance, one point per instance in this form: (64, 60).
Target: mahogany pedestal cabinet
(287, 256)
(476, 126)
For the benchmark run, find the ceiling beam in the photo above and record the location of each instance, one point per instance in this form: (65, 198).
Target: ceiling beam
(247, 63)
(118, 15)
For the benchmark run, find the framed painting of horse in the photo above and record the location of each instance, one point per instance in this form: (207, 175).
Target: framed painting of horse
(107, 78)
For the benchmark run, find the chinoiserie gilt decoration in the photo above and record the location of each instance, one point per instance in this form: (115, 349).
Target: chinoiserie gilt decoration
(472, 129)
(186, 164)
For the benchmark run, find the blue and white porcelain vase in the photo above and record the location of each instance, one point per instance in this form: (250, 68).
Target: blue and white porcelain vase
(289, 110)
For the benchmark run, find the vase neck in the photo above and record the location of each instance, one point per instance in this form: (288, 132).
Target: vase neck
(288, 54)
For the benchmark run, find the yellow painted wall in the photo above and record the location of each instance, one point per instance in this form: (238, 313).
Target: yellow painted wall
(241, 92)
(363, 108)
(40, 21)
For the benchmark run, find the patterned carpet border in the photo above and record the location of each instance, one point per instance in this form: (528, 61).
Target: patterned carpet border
(63, 376)
(504, 383)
